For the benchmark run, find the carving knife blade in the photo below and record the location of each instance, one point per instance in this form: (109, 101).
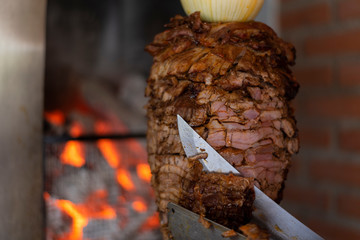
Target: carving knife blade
(268, 214)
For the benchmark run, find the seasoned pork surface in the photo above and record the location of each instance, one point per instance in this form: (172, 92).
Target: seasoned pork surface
(224, 198)
(232, 83)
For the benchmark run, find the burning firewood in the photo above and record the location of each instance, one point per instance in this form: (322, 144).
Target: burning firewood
(98, 189)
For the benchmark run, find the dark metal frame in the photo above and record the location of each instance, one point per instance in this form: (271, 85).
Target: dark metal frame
(66, 138)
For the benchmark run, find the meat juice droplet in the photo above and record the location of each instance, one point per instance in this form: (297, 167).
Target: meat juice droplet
(277, 228)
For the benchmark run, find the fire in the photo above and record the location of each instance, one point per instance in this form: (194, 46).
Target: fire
(94, 207)
(76, 129)
(46, 196)
(102, 127)
(74, 153)
(109, 151)
(124, 179)
(55, 117)
(143, 171)
(79, 221)
(115, 125)
(113, 156)
(139, 205)
(136, 147)
(107, 147)
(152, 222)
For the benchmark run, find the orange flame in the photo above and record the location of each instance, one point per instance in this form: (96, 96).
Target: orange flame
(102, 127)
(94, 207)
(124, 179)
(76, 129)
(46, 196)
(73, 154)
(79, 221)
(152, 222)
(108, 150)
(107, 147)
(137, 148)
(139, 205)
(97, 207)
(113, 124)
(143, 171)
(55, 117)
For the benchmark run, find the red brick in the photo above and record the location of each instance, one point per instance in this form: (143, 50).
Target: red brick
(297, 105)
(348, 9)
(287, 1)
(295, 168)
(295, 171)
(335, 172)
(314, 137)
(314, 76)
(334, 106)
(306, 197)
(314, 14)
(332, 231)
(349, 74)
(334, 43)
(350, 140)
(349, 205)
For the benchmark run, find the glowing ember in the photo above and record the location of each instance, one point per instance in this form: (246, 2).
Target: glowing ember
(95, 207)
(133, 146)
(76, 129)
(55, 117)
(139, 206)
(122, 157)
(73, 154)
(124, 179)
(46, 196)
(152, 222)
(110, 153)
(107, 147)
(136, 147)
(143, 171)
(78, 220)
(102, 127)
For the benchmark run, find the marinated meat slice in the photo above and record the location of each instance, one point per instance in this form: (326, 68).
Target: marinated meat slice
(232, 83)
(253, 232)
(234, 156)
(224, 198)
(217, 134)
(171, 176)
(251, 114)
(288, 127)
(228, 234)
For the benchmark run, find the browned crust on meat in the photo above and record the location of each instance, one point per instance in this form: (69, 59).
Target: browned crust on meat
(206, 52)
(254, 232)
(224, 198)
(232, 83)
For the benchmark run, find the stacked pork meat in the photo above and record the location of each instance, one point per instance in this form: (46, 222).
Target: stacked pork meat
(231, 82)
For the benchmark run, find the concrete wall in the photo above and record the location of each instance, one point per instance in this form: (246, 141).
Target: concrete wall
(21, 101)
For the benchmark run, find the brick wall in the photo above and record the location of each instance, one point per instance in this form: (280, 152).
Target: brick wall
(323, 187)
